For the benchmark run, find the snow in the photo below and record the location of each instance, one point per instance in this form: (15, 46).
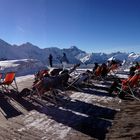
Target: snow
(134, 57)
(11, 63)
(24, 78)
(22, 66)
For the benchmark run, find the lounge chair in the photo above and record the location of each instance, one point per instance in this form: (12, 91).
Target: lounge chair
(127, 86)
(0, 77)
(49, 87)
(9, 82)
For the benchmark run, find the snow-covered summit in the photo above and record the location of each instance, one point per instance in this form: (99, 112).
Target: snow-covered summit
(134, 57)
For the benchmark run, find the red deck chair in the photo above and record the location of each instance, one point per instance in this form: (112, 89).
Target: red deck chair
(129, 84)
(48, 87)
(38, 90)
(8, 82)
(40, 74)
(113, 68)
(100, 73)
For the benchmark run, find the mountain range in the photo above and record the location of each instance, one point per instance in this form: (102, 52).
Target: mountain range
(74, 54)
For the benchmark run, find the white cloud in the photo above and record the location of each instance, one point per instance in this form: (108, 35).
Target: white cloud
(20, 29)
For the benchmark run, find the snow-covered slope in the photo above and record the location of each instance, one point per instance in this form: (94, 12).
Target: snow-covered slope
(22, 66)
(95, 57)
(118, 56)
(134, 57)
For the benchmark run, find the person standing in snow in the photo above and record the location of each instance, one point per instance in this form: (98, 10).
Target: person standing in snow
(50, 60)
(64, 61)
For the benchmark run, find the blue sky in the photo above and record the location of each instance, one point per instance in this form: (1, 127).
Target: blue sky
(91, 25)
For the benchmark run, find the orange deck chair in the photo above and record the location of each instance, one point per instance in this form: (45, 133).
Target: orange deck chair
(129, 84)
(98, 71)
(8, 82)
(113, 68)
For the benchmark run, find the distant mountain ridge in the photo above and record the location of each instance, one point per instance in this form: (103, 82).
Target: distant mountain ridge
(74, 54)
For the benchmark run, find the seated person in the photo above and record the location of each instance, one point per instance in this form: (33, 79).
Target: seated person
(101, 70)
(51, 82)
(132, 71)
(95, 67)
(104, 70)
(123, 84)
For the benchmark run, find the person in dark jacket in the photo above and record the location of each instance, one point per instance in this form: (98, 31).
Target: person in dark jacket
(104, 70)
(132, 71)
(50, 60)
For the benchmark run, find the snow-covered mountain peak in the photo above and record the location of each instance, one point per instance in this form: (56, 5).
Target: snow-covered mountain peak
(131, 54)
(74, 47)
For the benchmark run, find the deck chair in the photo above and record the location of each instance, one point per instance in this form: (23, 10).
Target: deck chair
(100, 73)
(103, 72)
(49, 87)
(128, 86)
(54, 85)
(7, 83)
(45, 73)
(0, 77)
(81, 79)
(73, 71)
(113, 68)
(40, 74)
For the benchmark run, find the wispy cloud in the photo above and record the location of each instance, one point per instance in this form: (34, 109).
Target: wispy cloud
(20, 29)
